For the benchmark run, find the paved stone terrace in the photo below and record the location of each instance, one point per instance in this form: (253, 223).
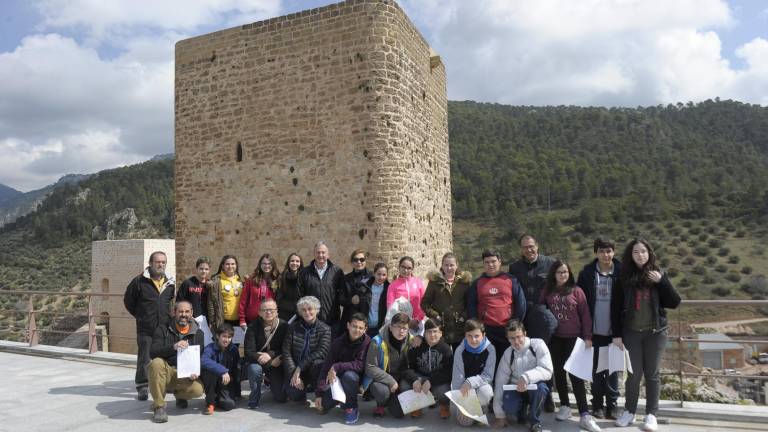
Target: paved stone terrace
(55, 394)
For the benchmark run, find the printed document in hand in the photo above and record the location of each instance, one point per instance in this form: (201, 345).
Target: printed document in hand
(614, 359)
(337, 391)
(188, 361)
(469, 406)
(239, 336)
(579, 363)
(411, 401)
(202, 322)
(513, 387)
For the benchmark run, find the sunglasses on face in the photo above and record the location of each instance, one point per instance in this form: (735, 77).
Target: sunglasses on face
(358, 260)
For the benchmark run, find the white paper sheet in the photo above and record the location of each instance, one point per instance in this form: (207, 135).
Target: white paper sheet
(411, 401)
(469, 406)
(579, 363)
(202, 322)
(337, 391)
(613, 359)
(506, 387)
(239, 336)
(188, 361)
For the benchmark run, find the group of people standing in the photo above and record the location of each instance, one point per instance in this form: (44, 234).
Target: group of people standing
(503, 336)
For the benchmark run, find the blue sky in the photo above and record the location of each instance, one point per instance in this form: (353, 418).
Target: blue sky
(87, 85)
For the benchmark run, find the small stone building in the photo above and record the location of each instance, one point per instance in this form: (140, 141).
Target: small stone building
(328, 124)
(114, 263)
(722, 353)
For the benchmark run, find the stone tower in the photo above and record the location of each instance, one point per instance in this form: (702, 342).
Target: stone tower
(114, 263)
(328, 124)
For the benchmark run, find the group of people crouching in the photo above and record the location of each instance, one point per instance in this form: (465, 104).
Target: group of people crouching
(451, 335)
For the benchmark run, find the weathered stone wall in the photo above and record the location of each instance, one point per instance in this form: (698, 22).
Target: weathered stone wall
(325, 124)
(114, 263)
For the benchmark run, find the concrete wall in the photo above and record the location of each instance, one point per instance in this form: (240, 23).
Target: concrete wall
(113, 264)
(325, 124)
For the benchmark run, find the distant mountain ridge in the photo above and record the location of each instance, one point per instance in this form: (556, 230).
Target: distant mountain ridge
(8, 193)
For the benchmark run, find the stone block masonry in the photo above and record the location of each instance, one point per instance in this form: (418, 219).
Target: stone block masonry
(328, 124)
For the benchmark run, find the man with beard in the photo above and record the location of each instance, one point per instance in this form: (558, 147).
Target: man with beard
(148, 298)
(167, 341)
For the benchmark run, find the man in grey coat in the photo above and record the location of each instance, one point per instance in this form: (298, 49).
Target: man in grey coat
(526, 365)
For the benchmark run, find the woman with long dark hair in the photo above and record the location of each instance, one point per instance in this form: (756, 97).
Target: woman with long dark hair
(288, 290)
(260, 286)
(224, 291)
(638, 314)
(569, 306)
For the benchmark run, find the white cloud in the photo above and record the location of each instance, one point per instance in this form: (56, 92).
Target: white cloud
(592, 52)
(106, 19)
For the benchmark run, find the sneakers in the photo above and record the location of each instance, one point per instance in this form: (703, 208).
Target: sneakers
(536, 427)
(209, 410)
(587, 422)
(625, 419)
(142, 393)
(160, 416)
(378, 412)
(563, 414)
(650, 424)
(416, 414)
(351, 415)
(253, 405)
(445, 411)
(182, 403)
(598, 413)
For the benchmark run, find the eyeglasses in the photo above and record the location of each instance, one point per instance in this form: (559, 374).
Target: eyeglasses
(399, 328)
(269, 310)
(358, 260)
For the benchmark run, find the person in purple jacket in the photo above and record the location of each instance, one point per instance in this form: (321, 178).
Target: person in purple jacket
(569, 305)
(219, 370)
(345, 362)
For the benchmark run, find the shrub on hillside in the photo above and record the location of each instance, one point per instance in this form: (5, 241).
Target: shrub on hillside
(746, 270)
(723, 251)
(711, 260)
(733, 259)
(701, 251)
(721, 268)
(721, 291)
(733, 276)
(715, 243)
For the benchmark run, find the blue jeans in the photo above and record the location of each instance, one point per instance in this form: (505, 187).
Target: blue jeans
(350, 381)
(514, 402)
(276, 382)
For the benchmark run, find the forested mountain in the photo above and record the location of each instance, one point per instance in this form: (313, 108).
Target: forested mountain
(131, 200)
(7, 193)
(611, 164)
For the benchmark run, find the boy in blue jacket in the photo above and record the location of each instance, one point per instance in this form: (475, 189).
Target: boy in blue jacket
(219, 370)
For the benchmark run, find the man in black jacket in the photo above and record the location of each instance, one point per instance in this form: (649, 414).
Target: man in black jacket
(598, 280)
(325, 281)
(263, 353)
(167, 341)
(148, 298)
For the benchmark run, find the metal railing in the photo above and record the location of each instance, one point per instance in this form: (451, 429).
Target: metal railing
(683, 340)
(31, 332)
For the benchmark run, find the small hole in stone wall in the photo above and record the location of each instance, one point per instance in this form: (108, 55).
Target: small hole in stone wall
(291, 169)
(301, 207)
(239, 152)
(309, 193)
(286, 203)
(370, 216)
(237, 231)
(267, 232)
(424, 95)
(295, 181)
(362, 233)
(259, 212)
(365, 153)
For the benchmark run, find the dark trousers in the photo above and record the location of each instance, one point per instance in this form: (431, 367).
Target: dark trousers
(497, 336)
(514, 402)
(385, 398)
(350, 382)
(605, 386)
(276, 377)
(645, 351)
(308, 377)
(218, 393)
(560, 349)
(142, 360)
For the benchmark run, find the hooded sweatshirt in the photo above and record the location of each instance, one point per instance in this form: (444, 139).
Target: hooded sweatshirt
(430, 363)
